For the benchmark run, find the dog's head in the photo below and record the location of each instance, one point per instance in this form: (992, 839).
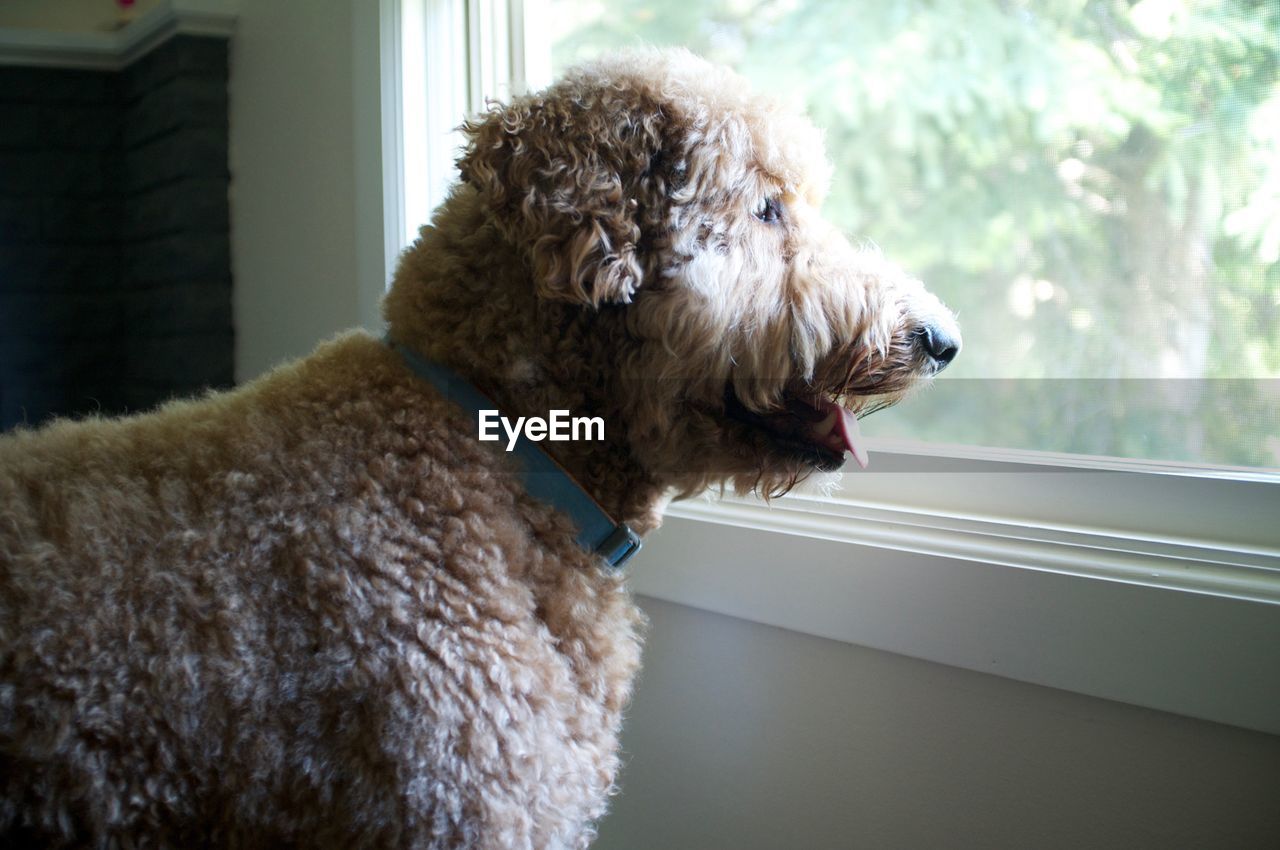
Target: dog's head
(738, 335)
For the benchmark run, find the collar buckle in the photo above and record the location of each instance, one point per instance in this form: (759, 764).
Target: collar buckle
(619, 546)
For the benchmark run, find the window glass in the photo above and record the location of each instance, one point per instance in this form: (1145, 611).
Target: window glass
(1093, 185)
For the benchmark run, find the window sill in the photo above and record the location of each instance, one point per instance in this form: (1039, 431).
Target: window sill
(1124, 610)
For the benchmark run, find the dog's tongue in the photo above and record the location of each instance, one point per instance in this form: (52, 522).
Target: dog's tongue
(839, 432)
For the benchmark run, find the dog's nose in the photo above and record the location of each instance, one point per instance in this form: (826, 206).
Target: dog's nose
(941, 343)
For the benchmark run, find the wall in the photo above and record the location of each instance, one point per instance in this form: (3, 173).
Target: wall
(115, 286)
(300, 170)
(744, 736)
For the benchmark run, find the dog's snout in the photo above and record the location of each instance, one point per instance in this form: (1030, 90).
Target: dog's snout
(942, 344)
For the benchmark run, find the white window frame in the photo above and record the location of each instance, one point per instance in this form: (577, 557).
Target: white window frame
(1149, 583)
(442, 60)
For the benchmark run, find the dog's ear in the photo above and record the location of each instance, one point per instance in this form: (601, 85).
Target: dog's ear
(568, 175)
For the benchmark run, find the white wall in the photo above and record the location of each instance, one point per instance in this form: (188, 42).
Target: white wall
(301, 167)
(744, 736)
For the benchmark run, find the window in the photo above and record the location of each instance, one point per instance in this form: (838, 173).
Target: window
(1094, 187)
(1087, 498)
(442, 60)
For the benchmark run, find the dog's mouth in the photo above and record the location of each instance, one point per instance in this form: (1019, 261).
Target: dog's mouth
(817, 431)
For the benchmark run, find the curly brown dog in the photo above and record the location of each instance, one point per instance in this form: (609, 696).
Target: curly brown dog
(318, 611)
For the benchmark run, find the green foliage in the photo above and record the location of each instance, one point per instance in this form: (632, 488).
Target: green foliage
(1094, 185)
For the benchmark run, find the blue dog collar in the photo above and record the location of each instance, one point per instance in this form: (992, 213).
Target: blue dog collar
(542, 477)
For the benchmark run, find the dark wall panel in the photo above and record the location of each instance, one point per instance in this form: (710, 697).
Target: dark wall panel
(115, 261)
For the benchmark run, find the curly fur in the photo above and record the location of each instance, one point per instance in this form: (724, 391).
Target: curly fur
(315, 611)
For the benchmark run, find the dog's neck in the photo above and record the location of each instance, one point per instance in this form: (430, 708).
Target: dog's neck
(462, 297)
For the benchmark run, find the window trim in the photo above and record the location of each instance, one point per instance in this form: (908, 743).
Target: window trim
(1141, 583)
(450, 56)
(1149, 583)
(1040, 606)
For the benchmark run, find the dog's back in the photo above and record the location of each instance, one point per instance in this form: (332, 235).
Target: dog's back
(309, 612)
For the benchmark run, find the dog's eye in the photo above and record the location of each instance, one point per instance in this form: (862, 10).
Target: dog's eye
(768, 210)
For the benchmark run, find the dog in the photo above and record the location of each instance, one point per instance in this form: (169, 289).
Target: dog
(319, 610)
